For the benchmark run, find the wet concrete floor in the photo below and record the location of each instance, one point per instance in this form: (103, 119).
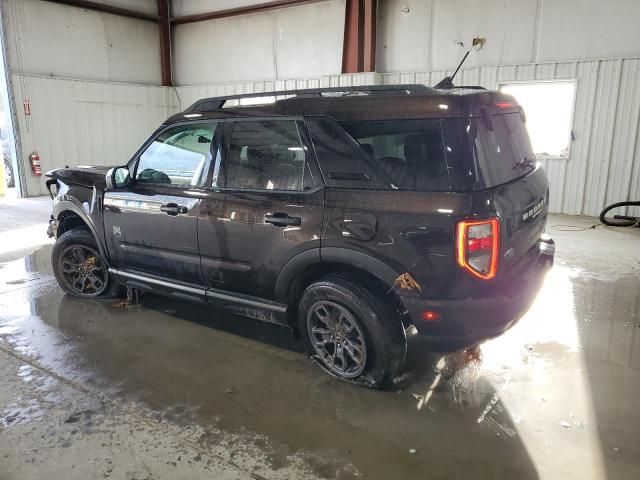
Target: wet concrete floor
(93, 389)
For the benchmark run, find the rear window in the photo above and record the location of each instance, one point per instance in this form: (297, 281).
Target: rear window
(487, 151)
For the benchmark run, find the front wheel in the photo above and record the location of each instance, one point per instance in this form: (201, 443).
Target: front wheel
(79, 268)
(8, 173)
(353, 334)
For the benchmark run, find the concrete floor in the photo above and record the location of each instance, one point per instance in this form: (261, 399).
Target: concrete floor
(23, 224)
(89, 389)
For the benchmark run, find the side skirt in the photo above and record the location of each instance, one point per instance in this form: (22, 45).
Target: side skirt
(238, 304)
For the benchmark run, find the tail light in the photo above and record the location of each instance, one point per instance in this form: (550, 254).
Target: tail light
(505, 105)
(477, 246)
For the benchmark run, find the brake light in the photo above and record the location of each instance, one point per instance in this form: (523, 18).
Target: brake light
(477, 247)
(430, 316)
(505, 105)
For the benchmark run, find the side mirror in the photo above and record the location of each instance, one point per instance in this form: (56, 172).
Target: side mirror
(117, 177)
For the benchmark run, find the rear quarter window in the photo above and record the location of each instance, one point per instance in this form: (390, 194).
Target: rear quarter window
(381, 154)
(409, 151)
(343, 162)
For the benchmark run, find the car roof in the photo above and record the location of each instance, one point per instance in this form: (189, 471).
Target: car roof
(353, 103)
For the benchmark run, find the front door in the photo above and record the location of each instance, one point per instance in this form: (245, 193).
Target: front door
(151, 224)
(263, 210)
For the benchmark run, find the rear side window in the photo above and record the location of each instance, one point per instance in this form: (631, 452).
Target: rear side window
(410, 152)
(265, 155)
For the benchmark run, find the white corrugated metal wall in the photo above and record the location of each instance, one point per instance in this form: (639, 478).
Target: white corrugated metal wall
(82, 122)
(604, 163)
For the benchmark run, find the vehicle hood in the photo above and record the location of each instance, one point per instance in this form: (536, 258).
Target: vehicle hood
(88, 176)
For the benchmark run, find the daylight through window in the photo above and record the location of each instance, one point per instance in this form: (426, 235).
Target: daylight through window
(549, 109)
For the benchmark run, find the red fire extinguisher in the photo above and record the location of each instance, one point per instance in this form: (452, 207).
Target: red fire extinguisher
(34, 159)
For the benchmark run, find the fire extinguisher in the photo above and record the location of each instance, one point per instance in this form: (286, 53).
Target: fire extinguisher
(34, 159)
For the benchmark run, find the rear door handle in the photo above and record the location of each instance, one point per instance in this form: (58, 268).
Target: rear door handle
(280, 219)
(173, 209)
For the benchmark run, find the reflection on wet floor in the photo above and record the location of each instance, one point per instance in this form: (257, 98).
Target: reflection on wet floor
(556, 393)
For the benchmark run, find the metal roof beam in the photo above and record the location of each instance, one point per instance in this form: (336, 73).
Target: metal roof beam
(234, 12)
(101, 7)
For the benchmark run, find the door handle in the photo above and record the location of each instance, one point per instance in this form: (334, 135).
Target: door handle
(280, 219)
(173, 209)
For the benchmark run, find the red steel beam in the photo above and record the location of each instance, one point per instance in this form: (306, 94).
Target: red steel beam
(164, 24)
(353, 27)
(369, 47)
(359, 48)
(233, 12)
(100, 7)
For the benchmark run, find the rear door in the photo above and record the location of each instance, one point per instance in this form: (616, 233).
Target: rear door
(264, 206)
(150, 225)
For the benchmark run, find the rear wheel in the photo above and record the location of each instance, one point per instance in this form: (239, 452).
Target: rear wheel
(79, 268)
(350, 332)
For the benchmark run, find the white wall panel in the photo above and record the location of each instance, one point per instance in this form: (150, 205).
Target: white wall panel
(508, 26)
(45, 38)
(302, 42)
(599, 156)
(625, 134)
(586, 29)
(303, 50)
(78, 122)
(403, 38)
(424, 34)
(225, 50)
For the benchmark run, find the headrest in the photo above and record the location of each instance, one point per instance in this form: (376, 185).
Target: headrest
(414, 148)
(283, 154)
(255, 156)
(368, 148)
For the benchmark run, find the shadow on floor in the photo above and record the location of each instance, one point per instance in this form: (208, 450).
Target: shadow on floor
(196, 366)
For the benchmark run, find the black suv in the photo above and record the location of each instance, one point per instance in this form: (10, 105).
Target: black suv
(350, 214)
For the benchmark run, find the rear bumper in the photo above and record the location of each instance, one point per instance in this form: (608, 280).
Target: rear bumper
(467, 322)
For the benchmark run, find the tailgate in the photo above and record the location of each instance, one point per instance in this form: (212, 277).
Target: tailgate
(522, 207)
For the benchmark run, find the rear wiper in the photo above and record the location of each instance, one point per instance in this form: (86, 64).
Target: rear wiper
(524, 163)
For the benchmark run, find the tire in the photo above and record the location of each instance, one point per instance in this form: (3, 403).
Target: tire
(79, 268)
(373, 361)
(8, 173)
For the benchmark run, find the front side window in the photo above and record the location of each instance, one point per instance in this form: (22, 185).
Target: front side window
(177, 157)
(265, 155)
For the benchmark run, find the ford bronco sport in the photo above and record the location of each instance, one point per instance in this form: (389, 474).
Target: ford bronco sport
(349, 214)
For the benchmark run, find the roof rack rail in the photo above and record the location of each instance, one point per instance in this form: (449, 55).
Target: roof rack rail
(463, 87)
(215, 103)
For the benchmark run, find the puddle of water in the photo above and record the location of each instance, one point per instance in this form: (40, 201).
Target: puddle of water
(198, 369)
